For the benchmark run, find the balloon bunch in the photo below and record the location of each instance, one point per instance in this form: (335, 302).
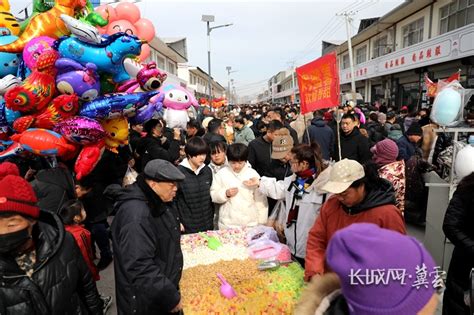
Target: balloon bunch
(64, 87)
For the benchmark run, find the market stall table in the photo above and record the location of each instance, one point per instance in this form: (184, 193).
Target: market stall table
(258, 292)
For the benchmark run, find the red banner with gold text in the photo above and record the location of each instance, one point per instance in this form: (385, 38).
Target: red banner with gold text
(318, 82)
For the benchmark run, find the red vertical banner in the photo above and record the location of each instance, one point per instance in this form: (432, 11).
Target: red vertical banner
(318, 82)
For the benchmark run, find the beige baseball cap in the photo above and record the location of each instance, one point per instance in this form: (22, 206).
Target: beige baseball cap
(282, 144)
(343, 174)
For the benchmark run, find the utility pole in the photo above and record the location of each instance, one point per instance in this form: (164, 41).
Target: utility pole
(347, 16)
(208, 19)
(293, 70)
(229, 92)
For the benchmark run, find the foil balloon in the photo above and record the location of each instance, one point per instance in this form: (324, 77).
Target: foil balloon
(126, 18)
(14, 149)
(43, 142)
(88, 159)
(82, 30)
(7, 19)
(148, 111)
(74, 78)
(8, 82)
(117, 132)
(114, 105)
(447, 106)
(34, 48)
(62, 107)
(46, 24)
(148, 78)
(176, 102)
(81, 130)
(38, 89)
(4, 127)
(464, 163)
(9, 62)
(108, 56)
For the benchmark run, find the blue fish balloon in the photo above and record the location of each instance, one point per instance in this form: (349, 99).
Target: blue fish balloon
(117, 104)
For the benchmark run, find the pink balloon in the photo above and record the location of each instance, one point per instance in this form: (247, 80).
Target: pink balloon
(145, 29)
(34, 48)
(102, 10)
(121, 26)
(145, 52)
(127, 11)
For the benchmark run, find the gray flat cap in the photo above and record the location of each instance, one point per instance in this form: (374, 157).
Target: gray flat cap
(163, 171)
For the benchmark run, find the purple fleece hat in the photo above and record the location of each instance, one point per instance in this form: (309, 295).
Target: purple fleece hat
(365, 246)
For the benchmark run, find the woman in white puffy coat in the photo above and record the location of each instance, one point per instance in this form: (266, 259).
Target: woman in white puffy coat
(299, 191)
(241, 204)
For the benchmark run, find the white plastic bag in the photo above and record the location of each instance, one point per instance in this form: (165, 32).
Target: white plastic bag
(130, 177)
(260, 233)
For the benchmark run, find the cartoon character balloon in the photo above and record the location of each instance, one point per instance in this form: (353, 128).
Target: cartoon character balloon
(7, 19)
(38, 89)
(148, 78)
(62, 107)
(34, 48)
(108, 56)
(176, 102)
(46, 24)
(117, 130)
(8, 61)
(74, 78)
(126, 17)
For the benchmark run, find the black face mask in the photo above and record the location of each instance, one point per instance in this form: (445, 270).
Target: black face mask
(12, 241)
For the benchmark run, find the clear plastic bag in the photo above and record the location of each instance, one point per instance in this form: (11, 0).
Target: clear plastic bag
(260, 233)
(264, 249)
(277, 219)
(130, 177)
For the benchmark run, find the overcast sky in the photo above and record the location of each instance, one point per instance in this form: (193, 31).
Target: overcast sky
(265, 38)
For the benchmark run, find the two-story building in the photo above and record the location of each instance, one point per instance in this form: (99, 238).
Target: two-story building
(282, 88)
(393, 53)
(168, 53)
(198, 81)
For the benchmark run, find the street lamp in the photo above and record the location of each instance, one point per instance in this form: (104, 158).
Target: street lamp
(208, 19)
(229, 93)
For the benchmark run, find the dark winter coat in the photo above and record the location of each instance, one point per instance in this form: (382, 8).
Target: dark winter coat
(260, 152)
(323, 135)
(53, 187)
(210, 137)
(147, 254)
(279, 170)
(195, 207)
(293, 133)
(134, 139)
(376, 132)
(151, 148)
(61, 283)
(354, 146)
(406, 149)
(458, 227)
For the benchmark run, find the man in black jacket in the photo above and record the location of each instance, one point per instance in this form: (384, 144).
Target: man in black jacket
(260, 149)
(320, 133)
(215, 131)
(146, 239)
(277, 114)
(42, 270)
(354, 146)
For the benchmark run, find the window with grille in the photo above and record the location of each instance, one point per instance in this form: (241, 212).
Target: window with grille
(413, 32)
(380, 47)
(455, 15)
(361, 55)
(345, 61)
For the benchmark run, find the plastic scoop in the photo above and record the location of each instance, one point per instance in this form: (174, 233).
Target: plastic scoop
(272, 264)
(227, 290)
(212, 242)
